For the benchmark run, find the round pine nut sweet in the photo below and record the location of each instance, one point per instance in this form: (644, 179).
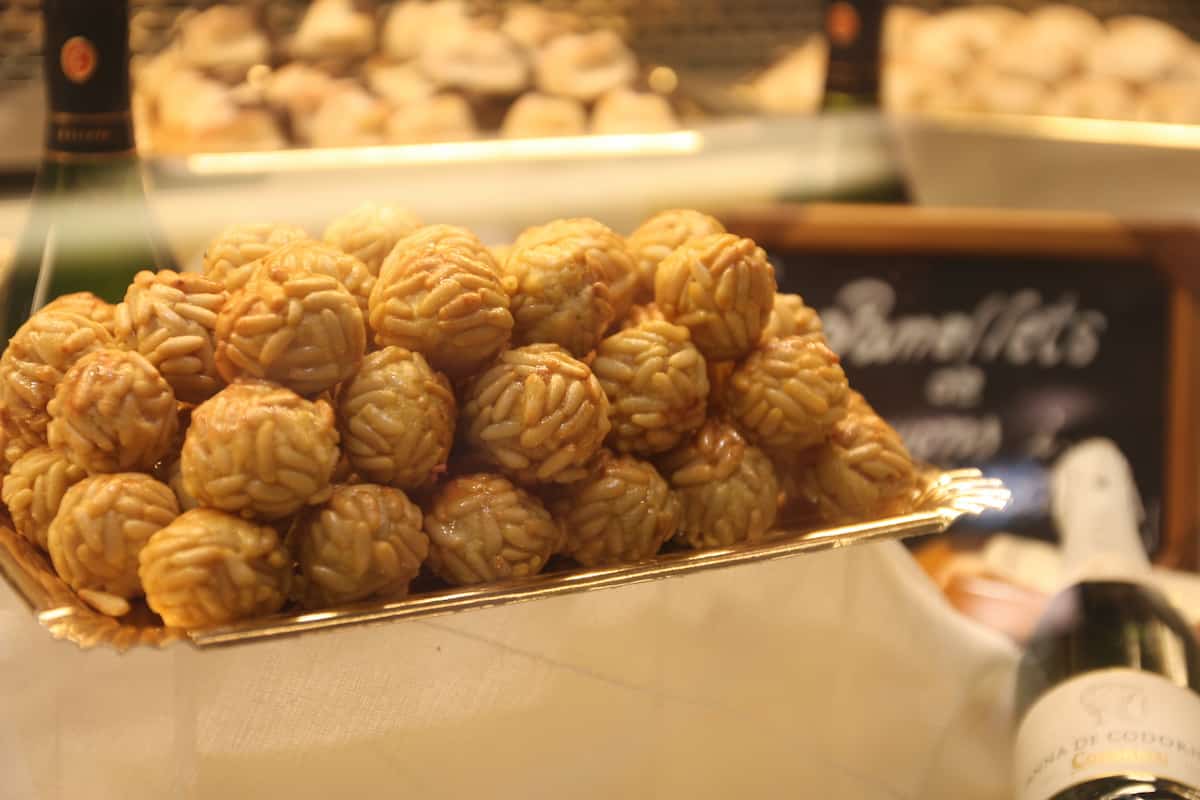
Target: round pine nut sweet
(113, 412)
(721, 288)
(440, 293)
(862, 472)
(727, 488)
(370, 231)
(38, 355)
(483, 528)
(537, 414)
(86, 304)
(102, 525)
(788, 394)
(657, 386)
(34, 489)
(320, 259)
(210, 568)
(364, 541)
(659, 236)
(171, 319)
(646, 312)
(791, 316)
(304, 331)
(396, 417)
(569, 280)
(260, 450)
(621, 512)
(229, 259)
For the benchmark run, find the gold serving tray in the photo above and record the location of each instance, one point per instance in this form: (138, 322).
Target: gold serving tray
(943, 498)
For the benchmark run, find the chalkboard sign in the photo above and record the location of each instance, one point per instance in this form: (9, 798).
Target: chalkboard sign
(986, 347)
(1001, 364)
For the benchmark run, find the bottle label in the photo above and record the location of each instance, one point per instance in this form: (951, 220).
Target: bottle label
(1108, 723)
(87, 78)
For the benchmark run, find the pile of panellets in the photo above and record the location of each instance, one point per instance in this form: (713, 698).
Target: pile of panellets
(313, 421)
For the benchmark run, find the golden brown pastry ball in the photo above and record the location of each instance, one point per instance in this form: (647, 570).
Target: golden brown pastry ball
(171, 319)
(296, 258)
(211, 568)
(396, 417)
(862, 472)
(303, 330)
(102, 525)
(727, 488)
(38, 355)
(647, 312)
(657, 386)
(34, 488)
(660, 235)
(113, 412)
(260, 450)
(572, 278)
(229, 259)
(621, 512)
(788, 394)
(537, 413)
(13, 445)
(370, 231)
(364, 541)
(441, 293)
(720, 287)
(791, 316)
(585, 65)
(86, 304)
(483, 528)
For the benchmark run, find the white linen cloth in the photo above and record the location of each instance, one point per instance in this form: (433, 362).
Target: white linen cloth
(841, 674)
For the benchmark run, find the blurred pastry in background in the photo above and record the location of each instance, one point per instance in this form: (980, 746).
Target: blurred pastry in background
(476, 59)
(334, 29)
(298, 90)
(627, 111)
(910, 86)
(899, 25)
(1091, 96)
(954, 40)
(442, 118)
(1049, 45)
(349, 116)
(198, 114)
(535, 115)
(399, 84)
(988, 90)
(411, 25)
(1176, 102)
(796, 83)
(223, 40)
(1136, 49)
(585, 65)
(532, 26)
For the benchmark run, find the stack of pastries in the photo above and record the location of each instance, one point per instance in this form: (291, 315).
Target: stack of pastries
(418, 71)
(318, 422)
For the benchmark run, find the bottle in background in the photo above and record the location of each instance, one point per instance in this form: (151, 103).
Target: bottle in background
(89, 226)
(1108, 692)
(854, 30)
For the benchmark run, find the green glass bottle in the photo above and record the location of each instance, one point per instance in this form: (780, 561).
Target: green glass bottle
(89, 226)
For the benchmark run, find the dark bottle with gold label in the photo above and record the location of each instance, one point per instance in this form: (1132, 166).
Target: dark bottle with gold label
(89, 226)
(854, 30)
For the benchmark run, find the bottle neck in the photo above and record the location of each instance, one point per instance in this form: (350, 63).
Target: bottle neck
(86, 73)
(854, 31)
(1097, 511)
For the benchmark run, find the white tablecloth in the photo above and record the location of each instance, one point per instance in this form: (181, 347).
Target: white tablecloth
(841, 674)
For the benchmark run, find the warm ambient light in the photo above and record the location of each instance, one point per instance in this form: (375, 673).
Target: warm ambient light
(564, 147)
